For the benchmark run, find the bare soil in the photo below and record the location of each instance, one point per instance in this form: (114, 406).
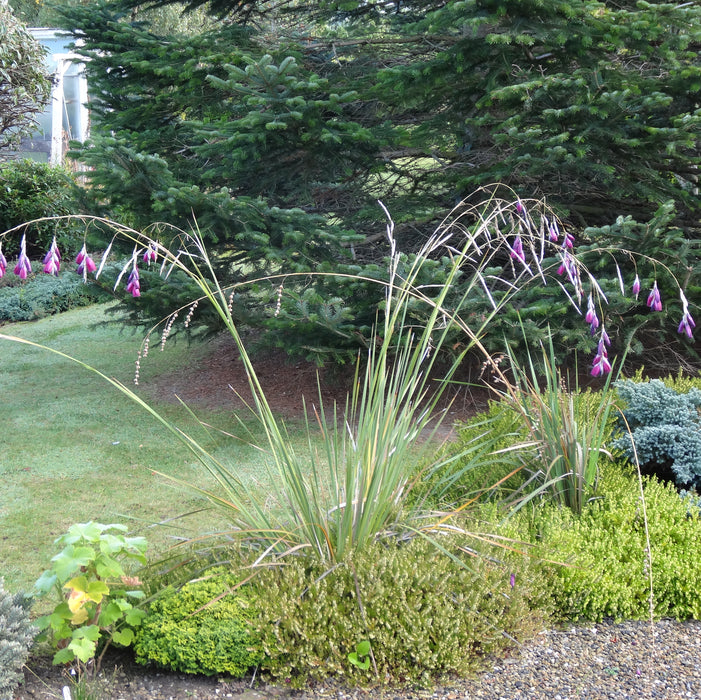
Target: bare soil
(217, 379)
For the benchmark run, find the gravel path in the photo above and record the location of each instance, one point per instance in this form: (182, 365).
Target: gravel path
(628, 661)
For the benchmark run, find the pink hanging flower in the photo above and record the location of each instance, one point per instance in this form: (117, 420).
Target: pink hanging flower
(133, 284)
(23, 266)
(151, 254)
(687, 324)
(553, 232)
(3, 263)
(520, 209)
(568, 265)
(591, 317)
(568, 241)
(601, 364)
(636, 286)
(52, 260)
(85, 262)
(654, 300)
(517, 250)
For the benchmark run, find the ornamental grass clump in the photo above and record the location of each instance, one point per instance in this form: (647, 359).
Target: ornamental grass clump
(568, 430)
(358, 489)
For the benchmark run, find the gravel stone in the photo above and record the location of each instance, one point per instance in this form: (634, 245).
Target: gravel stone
(602, 661)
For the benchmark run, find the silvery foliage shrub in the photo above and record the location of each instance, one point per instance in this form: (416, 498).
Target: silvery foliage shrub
(16, 637)
(663, 428)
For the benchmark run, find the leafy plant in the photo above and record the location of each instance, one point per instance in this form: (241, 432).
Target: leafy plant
(16, 637)
(361, 656)
(33, 199)
(202, 627)
(26, 86)
(661, 429)
(96, 596)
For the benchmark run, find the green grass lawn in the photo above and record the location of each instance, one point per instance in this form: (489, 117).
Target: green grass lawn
(73, 448)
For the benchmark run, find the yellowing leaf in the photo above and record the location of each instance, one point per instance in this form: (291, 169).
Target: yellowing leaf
(80, 617)
(76, 601)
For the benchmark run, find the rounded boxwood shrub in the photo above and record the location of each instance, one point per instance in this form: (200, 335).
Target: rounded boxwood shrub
(203, 627)
(424, 615)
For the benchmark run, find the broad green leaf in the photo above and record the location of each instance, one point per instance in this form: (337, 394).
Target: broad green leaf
(363, 648)
(135, 616)
(45, 582)
(107, 567)
(109, 544)
(59, 616)
(63, 656)
(83, 648)
(110, 614)
(84, 531)
(124, 637)
(135, 594)
(72, 559)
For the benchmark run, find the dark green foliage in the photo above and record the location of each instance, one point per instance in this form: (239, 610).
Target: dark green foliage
(279, 145)
(424, 615)
(204, 627)
(16, 637)
(604, 549)
(662, 428)
(42, 295)
(31, 190)
(565, 98)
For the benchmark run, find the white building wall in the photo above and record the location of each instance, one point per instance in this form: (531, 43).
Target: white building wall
(66, 117)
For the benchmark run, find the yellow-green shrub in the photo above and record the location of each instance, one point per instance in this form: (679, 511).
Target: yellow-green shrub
(605, 548)
(203, 627)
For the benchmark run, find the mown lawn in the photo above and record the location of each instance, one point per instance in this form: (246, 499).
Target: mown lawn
(73, 449)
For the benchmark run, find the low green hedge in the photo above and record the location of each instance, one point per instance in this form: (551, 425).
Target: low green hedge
(604, 551)
(425, 616)
(43, 295)
(203, 627)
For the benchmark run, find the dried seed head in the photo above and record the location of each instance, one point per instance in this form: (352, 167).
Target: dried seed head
(190, 312)
(278, 304)
(167, 329)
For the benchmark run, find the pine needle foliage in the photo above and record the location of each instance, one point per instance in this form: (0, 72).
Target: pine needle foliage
(279, 134)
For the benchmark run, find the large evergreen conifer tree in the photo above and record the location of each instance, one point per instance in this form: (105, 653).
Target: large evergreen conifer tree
(278, 137)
